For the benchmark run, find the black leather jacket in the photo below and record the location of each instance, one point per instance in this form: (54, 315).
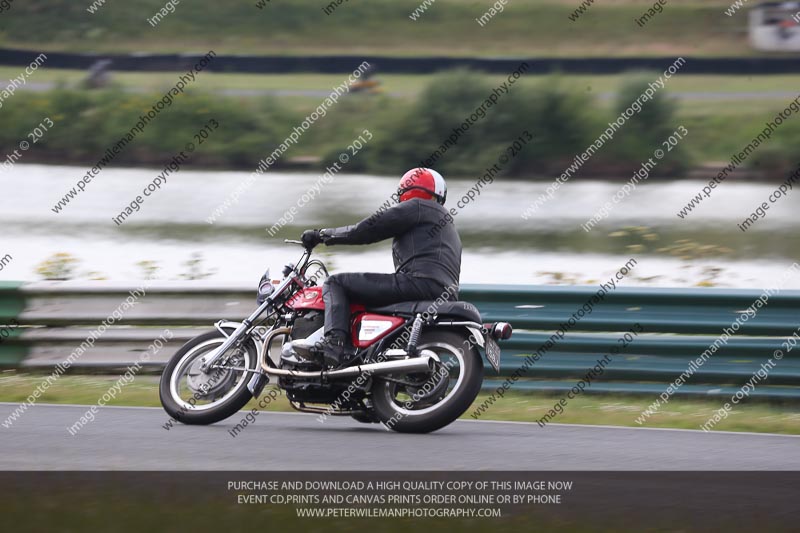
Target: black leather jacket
(426, 243)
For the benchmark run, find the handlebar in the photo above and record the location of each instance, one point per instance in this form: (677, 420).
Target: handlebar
(301, 243)
(304, 259)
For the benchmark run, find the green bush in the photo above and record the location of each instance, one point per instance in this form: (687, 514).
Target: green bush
(777, 157)
(559, 119)
(643, 133)
(560, 123)
(556, 118)
(88, 123)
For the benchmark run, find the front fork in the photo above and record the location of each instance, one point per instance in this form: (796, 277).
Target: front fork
(259, 379)
(209, 360)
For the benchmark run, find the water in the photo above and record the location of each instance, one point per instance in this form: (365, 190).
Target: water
(499, 245)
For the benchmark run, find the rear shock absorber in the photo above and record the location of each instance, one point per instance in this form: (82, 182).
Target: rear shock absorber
(413, 339)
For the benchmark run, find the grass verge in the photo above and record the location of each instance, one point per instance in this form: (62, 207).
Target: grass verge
(617, 410)
(727, 88)
(447, 28)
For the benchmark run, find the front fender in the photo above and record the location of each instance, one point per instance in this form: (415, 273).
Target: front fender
(259, 380)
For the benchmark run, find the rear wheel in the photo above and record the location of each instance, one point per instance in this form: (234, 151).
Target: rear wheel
(421, 403)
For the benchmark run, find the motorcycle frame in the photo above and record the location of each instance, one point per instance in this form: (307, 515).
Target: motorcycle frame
(245, 329)
(251, 321)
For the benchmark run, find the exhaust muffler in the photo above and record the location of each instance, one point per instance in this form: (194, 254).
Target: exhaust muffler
(424, 363)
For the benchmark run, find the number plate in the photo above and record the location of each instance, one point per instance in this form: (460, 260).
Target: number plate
(493, 353)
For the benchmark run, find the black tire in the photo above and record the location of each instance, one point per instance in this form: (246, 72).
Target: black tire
(220, 412)
(452, 406)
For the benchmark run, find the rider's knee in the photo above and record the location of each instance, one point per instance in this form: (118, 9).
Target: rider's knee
(334, 279)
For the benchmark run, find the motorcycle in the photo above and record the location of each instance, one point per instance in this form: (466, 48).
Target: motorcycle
(414, 367)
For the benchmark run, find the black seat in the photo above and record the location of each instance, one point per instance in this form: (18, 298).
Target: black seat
(458, 310)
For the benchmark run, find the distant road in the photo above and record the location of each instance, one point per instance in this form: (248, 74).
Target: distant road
(133, 439)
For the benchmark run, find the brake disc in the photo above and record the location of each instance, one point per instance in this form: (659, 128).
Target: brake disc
(210, 384)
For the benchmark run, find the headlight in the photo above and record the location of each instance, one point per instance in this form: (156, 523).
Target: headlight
(265, 288)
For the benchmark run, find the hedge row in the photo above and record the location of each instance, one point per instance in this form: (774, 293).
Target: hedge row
(456, 124)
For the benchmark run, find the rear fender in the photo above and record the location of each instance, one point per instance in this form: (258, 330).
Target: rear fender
(473, 328)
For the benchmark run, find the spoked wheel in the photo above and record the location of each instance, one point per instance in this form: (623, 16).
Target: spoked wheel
(421, 403)
(193, 396)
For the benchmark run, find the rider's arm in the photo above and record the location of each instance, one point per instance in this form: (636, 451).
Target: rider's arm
(392, 222)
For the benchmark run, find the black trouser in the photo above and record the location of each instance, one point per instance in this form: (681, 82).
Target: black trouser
(371, 290)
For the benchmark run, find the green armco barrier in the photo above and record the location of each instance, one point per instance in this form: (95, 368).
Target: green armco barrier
(12, 301)
(650, 356)
(677, 326)
(663, 310)
(12, 304)
(12, 355)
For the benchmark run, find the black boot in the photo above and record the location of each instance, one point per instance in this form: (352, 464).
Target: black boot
(332, 349)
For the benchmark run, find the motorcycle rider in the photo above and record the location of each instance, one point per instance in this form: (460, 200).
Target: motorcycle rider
(425, 266)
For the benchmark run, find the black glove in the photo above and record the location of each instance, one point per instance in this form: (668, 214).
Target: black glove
(311, 238)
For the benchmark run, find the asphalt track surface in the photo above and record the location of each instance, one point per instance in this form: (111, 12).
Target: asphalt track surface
(132, 438)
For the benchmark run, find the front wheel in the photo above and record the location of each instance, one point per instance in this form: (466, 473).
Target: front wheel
(427, 402)
(192, 396)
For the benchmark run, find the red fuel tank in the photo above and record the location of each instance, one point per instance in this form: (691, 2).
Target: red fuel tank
(308, 298)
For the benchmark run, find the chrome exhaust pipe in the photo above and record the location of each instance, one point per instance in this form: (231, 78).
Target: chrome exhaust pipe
(414, 364)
